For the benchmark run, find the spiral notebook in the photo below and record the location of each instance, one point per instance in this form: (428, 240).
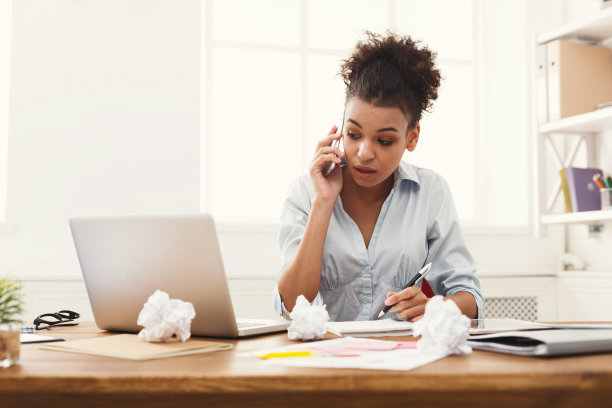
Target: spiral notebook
(371, 328)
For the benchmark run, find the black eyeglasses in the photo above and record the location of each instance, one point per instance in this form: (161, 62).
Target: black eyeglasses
(61, 318)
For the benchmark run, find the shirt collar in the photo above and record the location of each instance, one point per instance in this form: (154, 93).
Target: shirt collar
(403, 172)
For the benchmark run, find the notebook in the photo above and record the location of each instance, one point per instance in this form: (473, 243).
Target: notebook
(371, 328)
(125, 259)
(583, 191)
(544, 343)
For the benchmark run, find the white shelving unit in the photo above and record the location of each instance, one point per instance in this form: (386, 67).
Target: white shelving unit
(591, 122)
(595, 30)
(583, 217)
(580, 295)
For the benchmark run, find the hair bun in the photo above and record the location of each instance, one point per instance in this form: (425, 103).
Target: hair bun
(393, 70)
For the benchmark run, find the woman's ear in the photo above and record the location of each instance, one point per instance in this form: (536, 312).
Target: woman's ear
(413, 137)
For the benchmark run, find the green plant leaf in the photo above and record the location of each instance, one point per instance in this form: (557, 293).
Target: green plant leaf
(11, 302)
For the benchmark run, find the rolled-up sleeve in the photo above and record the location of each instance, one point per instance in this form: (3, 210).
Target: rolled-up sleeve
(294, 217)
(453, 268)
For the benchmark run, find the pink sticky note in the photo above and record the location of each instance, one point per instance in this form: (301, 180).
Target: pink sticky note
(403, 345)
(353, 344)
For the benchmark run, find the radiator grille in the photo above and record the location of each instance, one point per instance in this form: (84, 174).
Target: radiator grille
(519, 307)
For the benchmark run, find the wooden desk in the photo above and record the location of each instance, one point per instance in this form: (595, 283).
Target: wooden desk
(226, 378)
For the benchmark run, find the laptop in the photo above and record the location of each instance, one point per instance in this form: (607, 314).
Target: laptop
(124, 259)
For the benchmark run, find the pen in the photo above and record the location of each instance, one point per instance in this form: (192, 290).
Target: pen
(415, 279)
(598, 180)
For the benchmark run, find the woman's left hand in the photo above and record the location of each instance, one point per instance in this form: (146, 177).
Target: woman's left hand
(409, 303)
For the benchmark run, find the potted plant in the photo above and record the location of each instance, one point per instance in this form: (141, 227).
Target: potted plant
(11, 307)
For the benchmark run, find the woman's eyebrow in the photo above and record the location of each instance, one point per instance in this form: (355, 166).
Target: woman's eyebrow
(354, 122)
(387, 129)
(392, 129)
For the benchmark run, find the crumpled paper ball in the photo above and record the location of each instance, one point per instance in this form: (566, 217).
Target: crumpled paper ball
(443, 328)
(163, 317)
(308, 322)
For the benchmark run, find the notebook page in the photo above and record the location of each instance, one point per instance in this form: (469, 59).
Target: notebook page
(374, 328)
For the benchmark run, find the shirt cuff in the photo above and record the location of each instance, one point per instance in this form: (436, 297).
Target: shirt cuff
(279, 306)
(477, 298)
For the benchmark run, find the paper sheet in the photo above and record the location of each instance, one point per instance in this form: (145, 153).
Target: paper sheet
(349, 352)
(371, 328)
(37, 338)
(129, 346)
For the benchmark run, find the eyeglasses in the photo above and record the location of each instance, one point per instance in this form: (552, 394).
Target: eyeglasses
(61, 318)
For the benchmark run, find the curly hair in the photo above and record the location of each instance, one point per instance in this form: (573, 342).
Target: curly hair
(392, 71)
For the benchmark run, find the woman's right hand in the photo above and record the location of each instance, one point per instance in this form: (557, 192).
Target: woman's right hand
(327, 188)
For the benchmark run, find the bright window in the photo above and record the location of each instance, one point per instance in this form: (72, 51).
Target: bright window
(270, 91)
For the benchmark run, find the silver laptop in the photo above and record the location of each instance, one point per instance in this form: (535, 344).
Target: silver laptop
(124, 259)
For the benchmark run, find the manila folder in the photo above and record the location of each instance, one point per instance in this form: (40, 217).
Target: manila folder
(129, 346)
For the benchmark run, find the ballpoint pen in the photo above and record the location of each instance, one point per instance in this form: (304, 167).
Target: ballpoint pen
(415, 279)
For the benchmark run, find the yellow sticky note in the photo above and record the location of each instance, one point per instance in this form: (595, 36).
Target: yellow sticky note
(286, 354)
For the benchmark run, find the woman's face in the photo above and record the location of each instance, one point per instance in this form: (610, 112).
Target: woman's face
(374, 140)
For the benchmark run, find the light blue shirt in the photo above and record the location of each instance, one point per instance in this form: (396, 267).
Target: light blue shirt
(417, 224)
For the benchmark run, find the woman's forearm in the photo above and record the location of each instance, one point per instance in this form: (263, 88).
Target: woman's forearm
(303, 274)
(466, 303)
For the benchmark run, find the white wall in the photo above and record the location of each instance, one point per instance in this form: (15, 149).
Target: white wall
(104, 119)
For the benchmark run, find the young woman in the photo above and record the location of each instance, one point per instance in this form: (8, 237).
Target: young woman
(355, 238)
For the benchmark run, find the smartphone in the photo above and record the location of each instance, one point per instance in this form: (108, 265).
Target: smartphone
(330, 166)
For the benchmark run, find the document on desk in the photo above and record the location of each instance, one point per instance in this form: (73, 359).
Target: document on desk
(350, 352)
(37, 338)
(491, 326)
(371, 328)
(129, 346)
(550, 342)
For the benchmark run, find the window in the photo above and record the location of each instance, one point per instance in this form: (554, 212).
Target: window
(270, 91)
(5, 53)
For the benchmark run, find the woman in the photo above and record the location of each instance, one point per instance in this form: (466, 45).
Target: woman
(356, 237)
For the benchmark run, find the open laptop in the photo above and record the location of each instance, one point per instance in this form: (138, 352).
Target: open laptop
(124, 259)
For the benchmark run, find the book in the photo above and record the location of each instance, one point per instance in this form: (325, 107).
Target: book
(555, 342)
(583, 191)
(129, 346)
(565, 190)
(371, 328)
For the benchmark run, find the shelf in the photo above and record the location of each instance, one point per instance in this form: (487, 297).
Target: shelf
(595, 29)
(595, 121)
(585, 217)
